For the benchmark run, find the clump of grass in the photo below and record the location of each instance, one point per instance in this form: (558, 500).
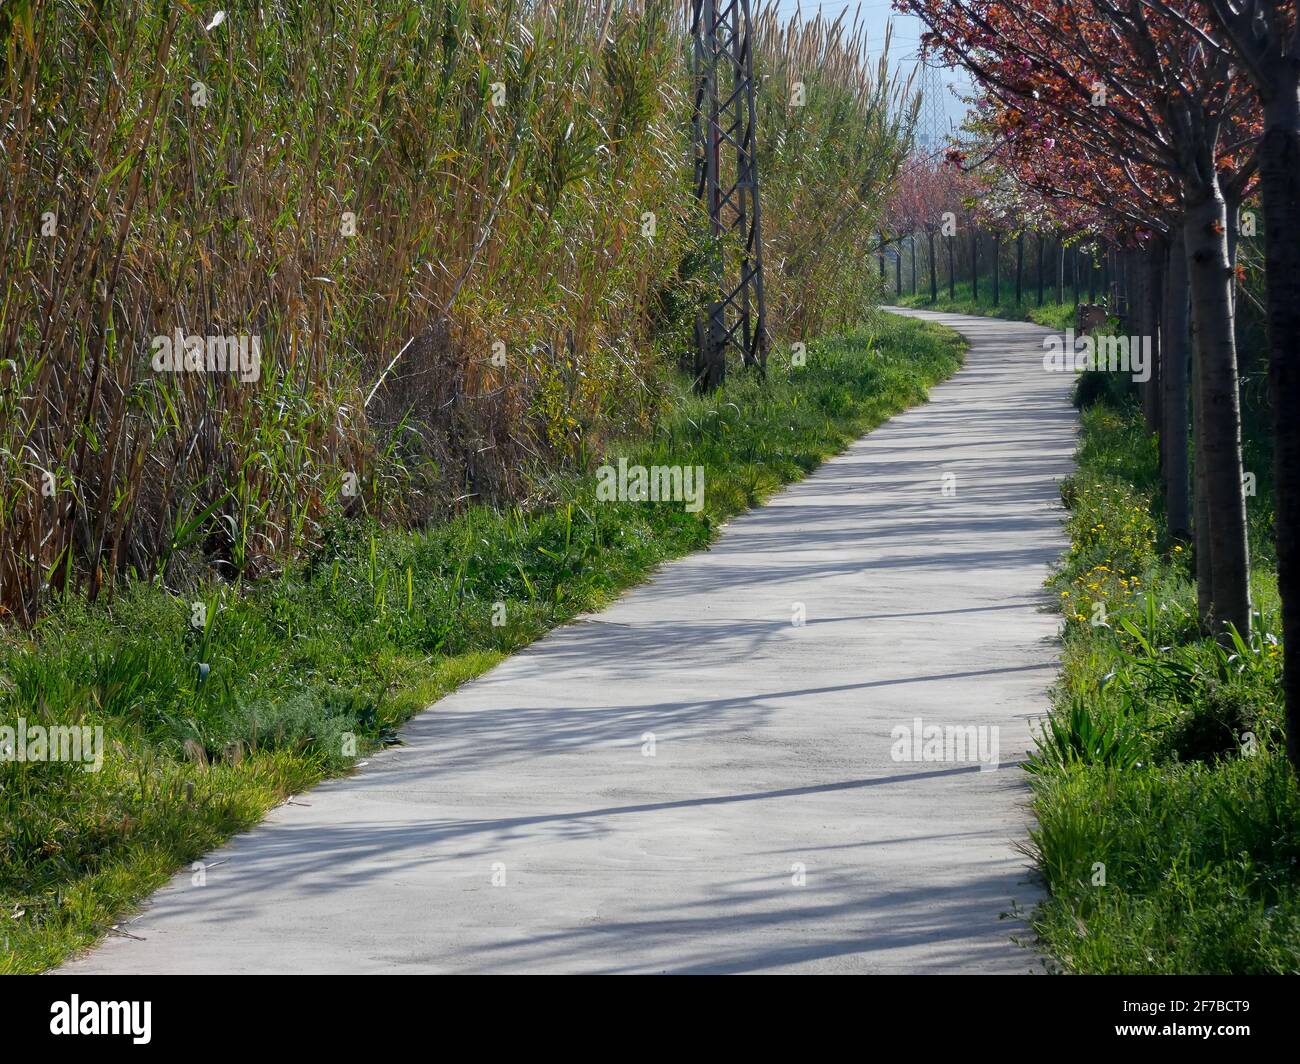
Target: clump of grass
(309, 669)
(1172, 868)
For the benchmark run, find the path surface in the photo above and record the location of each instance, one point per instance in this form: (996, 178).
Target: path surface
(772, 746)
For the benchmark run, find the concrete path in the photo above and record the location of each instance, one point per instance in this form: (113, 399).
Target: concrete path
(771, 830)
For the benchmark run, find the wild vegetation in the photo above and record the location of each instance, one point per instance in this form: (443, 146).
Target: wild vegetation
(1168, 816)
(463, 235)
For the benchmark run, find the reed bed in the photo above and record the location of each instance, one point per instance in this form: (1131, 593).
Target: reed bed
(459, 236)
(828, 166)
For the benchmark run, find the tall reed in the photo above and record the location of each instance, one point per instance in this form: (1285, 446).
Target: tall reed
(461, 233)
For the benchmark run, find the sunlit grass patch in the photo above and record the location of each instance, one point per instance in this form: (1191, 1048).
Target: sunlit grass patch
(1052, 314)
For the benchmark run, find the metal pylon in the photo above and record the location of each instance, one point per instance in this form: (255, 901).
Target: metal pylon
(932, 125)
(726, 179)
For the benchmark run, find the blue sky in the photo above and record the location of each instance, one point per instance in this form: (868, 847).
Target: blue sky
(907, 34)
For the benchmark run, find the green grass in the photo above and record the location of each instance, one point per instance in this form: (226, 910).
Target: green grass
(1053, 315)
(1168, 818)
(307, 670)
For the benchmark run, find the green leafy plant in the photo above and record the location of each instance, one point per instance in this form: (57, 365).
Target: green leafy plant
(1085, 735)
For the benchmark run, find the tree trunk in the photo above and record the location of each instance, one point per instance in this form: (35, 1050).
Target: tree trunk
(1120, 283)
(952, 269)
(1279, 176)
(1173, 379)
(975, 265)
(1060, 271)
(1040, 269)
(898, 271)
(1152, 285)
(1132, 298)
(1203, 552)
(1074, 271)
(934, 272)
(1020, 263)
(911, 240)
(1200, 493)
(997, 266)
(1234, 237)
(1219, 420)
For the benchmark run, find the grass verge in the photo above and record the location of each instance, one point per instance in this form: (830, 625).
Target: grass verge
(1053, 315)
(1168, 818)
(219, 704)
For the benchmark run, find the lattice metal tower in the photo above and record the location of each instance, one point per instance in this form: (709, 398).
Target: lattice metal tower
(726, 179)
(932, 127)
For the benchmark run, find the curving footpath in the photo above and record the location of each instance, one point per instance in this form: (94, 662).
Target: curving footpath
(784, 821)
